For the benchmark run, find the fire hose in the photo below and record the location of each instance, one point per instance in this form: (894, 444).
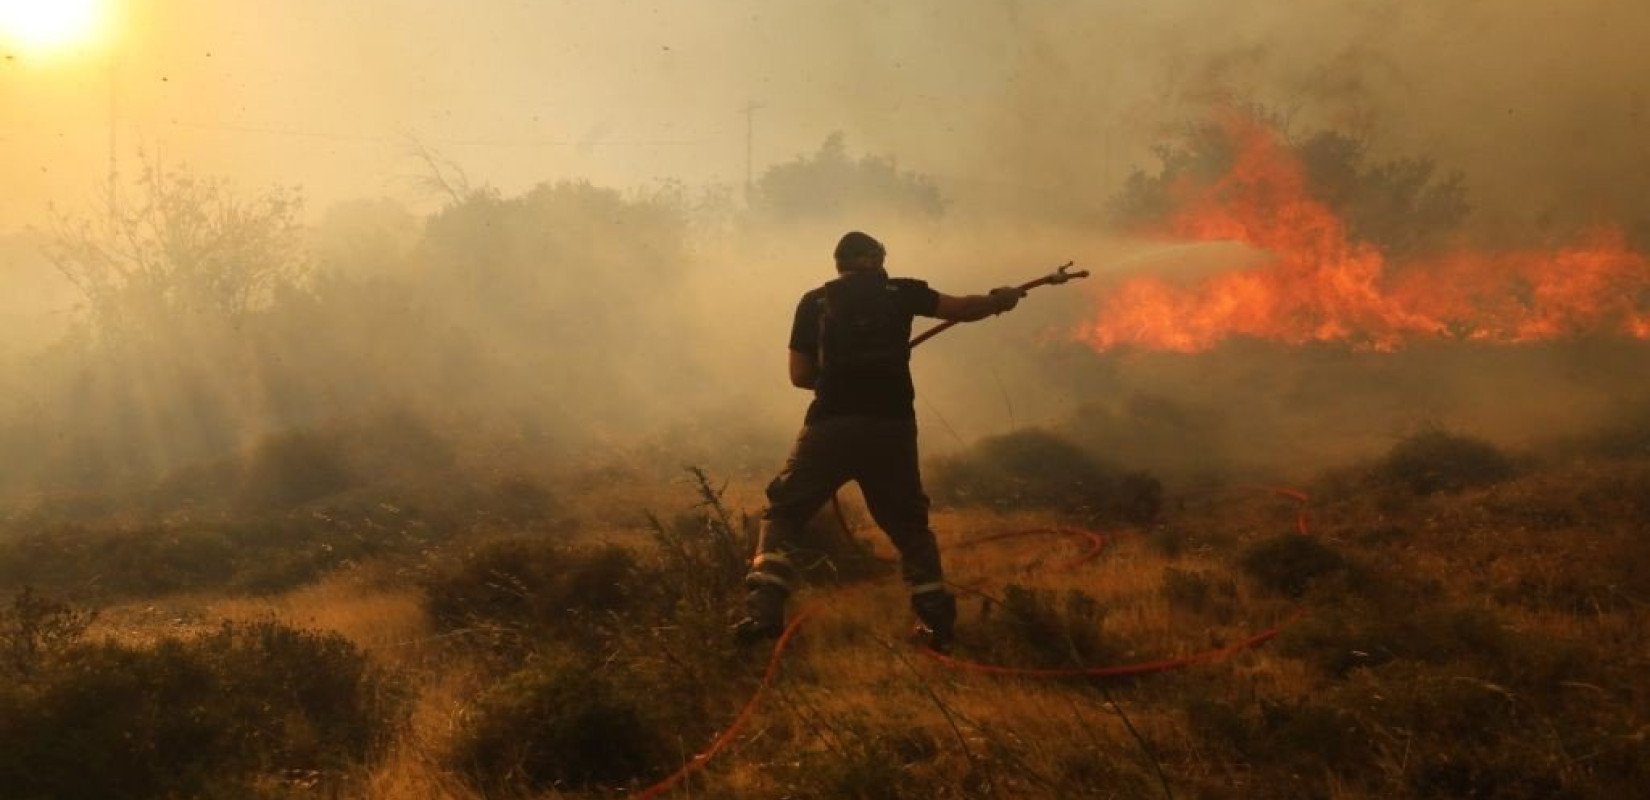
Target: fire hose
(1096, 542)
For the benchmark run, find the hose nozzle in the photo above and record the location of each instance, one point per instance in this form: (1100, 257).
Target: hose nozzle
(1065, 273)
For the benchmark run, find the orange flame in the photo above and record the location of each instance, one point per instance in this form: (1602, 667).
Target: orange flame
(1322, 286)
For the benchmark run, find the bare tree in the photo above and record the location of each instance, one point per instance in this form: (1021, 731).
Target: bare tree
(183, 245)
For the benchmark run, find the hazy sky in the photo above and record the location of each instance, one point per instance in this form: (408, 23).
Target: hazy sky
(1543, 102)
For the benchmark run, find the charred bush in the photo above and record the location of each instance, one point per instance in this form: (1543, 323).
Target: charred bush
(1435, 461)
(1290, 563)
(215, 716)
(1039, 469)
(558, 723)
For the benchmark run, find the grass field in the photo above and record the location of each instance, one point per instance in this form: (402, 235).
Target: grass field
(1453, 624)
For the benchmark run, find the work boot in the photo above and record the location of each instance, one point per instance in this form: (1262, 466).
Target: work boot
(936, 619)
(764, 614)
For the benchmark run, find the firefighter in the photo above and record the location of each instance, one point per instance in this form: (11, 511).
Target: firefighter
(849, 345)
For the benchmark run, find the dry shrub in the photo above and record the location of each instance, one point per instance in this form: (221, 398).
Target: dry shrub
(1200, 592)
(260, 555)
(702, 561)
(515, 593)
(1354, 634)
(228, 714)
(1467, 736)
(1301, 737)
(559, 723)
(579, 716)
(865, 762)
(1043, 628)
(35, 630)
(1038, 469)
(1290, 563)
(1435, 461)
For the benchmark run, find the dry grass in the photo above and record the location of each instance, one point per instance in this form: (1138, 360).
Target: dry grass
(1489, 643)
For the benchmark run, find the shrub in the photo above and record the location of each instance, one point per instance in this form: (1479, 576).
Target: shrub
(517, 591)
(1034, 468)
(864, 763)
(1200, 592)
(259, 555)
(1044, 628)
(1288, 564)
(557, 723)
(34, 630)
(1305, 738)
(213, 716)
(704, 555)
(1435, 461)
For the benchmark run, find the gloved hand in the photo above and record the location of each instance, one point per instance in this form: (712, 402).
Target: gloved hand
(1007, 297)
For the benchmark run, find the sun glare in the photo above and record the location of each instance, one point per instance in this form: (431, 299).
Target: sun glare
(42, 26)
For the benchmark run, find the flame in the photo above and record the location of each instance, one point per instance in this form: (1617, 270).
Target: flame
(1324, 286)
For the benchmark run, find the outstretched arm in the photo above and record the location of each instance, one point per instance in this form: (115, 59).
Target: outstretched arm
(978, 306)
(804, 370)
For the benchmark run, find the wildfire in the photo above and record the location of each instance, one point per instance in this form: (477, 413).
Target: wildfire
(1323, 286)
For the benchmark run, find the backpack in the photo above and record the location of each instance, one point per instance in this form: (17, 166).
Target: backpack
(861, 325)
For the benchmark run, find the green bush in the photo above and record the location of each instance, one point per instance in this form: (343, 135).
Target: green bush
(1434, 461)
(212, 716)
(1038, 469)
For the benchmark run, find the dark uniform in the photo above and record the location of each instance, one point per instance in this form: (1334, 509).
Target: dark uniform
(860, 427)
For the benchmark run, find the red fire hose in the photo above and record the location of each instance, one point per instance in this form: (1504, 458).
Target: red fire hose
(1060, 275)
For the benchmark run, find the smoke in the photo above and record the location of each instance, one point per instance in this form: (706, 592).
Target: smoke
(609, 292)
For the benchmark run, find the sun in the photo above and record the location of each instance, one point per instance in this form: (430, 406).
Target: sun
(42, 26)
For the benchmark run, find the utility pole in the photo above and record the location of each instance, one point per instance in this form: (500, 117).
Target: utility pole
(114, 164)
(750, 135)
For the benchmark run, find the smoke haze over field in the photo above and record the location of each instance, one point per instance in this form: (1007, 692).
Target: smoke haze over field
(1029, 106)
(530, 219)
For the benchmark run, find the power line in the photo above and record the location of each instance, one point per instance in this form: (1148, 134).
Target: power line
(500, 143)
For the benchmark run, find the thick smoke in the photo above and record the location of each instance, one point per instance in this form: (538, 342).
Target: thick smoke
(593, 279)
